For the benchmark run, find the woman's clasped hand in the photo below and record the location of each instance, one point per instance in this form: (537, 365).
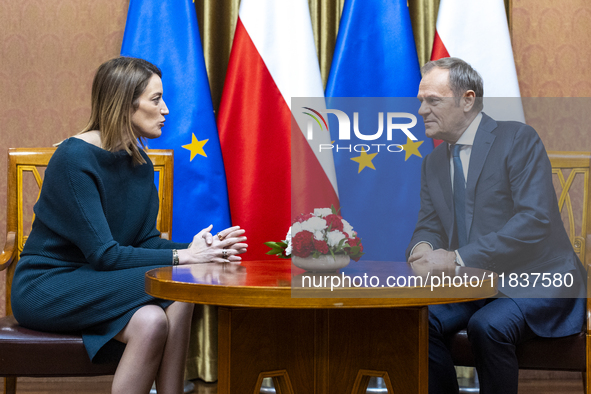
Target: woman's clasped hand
(223, 247)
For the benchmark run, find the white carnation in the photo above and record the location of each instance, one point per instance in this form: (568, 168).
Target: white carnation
(296, 228)
(319, 235)
(314, 224)
(322, 212)
(288, 242)
(347, 228)
(334, 237)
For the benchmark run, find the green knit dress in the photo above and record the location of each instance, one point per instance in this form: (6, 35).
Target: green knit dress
(93, 239)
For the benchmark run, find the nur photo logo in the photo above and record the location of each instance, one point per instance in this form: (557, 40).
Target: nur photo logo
(390, 122)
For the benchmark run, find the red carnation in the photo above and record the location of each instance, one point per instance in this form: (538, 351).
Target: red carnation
(302, 244)
(321, 246)
(334, 221)
(355, 242)
(302, 217)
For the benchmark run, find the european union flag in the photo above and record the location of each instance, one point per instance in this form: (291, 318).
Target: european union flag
(379, 178)
(165, 32)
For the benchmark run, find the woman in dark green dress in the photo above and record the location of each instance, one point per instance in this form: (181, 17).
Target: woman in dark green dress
(94, 237)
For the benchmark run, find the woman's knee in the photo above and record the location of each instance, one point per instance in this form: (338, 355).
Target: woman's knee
(181, 307)
(149, 323)
(179, 312)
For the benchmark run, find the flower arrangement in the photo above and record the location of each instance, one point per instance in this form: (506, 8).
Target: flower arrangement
(322, 232)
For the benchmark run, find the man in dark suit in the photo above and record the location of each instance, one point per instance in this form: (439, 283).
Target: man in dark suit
(487, 201)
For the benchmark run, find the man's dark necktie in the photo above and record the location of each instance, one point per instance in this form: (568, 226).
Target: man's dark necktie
(459, 197)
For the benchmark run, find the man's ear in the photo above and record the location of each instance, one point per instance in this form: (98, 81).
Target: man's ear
(468, 100)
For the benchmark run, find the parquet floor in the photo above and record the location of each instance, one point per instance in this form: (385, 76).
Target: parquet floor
(101, 385)
(570, 386)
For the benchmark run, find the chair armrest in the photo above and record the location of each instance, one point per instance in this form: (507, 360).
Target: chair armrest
(9, 252)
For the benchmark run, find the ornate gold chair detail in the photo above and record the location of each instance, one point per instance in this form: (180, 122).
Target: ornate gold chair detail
(571, 176)
(31, 353)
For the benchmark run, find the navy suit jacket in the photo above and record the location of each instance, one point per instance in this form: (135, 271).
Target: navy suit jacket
(512, 221)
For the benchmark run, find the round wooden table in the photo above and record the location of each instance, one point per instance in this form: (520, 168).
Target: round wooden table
(274, 321)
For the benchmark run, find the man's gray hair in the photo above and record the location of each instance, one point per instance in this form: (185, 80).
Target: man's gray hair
(462, 77)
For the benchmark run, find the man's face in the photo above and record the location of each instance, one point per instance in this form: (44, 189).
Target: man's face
(444, 119)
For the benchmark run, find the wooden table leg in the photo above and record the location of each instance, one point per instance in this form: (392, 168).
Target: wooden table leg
(327, 351)
(392, 343)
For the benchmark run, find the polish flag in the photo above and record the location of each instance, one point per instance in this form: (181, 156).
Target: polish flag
(273, 59)
(477, 32)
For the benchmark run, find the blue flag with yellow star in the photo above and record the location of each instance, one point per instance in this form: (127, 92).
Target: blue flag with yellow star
(165, 32)
(375, 65)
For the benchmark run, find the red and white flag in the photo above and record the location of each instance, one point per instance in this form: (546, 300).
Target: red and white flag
(477, 32)
(273, 59)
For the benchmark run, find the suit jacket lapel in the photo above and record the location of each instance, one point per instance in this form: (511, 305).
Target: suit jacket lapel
(482, 144)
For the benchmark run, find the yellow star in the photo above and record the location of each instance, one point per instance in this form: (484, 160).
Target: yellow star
(196, 147)
(364, 160)
(411, 148)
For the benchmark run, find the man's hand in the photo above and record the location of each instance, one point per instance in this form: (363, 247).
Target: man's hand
(421, 248)
(425, 259)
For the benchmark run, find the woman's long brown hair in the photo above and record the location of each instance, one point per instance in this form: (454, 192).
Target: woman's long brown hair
(116, 89)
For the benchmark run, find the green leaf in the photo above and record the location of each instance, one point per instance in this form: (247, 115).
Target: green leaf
(334, 210)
